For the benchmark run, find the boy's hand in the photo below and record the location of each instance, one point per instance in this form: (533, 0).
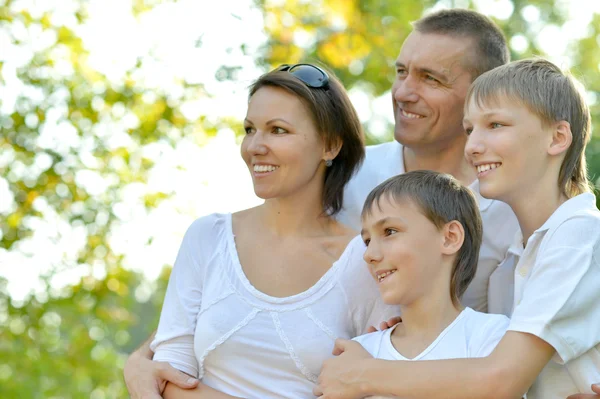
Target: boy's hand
(386, 324)
(596, 395)
(339, 378)
(147, 379)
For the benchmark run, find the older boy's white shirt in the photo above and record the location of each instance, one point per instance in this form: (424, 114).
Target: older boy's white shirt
(552, 289)
(499, 222)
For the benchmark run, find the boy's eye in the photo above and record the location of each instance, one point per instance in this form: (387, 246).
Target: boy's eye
(367, 241)
(389, 231)
(468, 130)
(496, 125)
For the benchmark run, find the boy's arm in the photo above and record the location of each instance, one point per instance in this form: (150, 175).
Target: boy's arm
(508, 372)
(147, 379)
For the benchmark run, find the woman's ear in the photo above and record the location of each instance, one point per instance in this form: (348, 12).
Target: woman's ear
(454, 236)
(561, 138)
(333, 150)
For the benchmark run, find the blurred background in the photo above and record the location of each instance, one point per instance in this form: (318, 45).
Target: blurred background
(120, 123)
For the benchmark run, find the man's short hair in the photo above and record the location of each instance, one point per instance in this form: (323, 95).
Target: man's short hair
(490, 44)
(442, 199)
(553, 96)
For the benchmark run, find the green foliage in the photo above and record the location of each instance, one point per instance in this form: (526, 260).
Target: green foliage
(73, 341)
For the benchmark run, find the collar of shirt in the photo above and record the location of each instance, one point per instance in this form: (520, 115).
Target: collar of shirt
(581, 202)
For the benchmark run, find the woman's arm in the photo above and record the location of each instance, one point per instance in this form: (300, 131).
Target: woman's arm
(201, 391)
(508, 372)
(146, 379)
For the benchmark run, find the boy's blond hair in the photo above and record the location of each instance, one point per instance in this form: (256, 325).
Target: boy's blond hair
(442, 199)
(553, 96)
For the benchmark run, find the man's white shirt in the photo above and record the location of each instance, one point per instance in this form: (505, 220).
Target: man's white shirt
(499, 222)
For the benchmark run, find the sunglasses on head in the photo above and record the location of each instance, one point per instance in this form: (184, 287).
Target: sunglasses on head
(309, 74)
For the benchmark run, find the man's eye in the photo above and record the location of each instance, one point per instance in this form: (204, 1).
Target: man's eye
(400, 71)
(248, 130)
(430, 78)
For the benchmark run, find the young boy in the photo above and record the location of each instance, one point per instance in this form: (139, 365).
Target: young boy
(423, 232)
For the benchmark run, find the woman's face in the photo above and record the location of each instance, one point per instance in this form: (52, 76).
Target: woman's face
(282, 147)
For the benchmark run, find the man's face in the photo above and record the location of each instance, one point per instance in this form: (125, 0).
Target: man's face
(430, 89)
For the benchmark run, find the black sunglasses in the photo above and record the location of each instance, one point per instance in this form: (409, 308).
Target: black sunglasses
(310, 75)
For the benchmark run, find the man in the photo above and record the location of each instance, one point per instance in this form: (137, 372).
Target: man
(437, 63)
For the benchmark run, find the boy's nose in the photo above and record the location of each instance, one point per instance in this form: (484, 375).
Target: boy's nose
(474, 145)
(372, 254)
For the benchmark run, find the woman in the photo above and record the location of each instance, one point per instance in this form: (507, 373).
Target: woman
(256, 299)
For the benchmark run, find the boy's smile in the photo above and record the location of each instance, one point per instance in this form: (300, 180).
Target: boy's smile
(382, 274)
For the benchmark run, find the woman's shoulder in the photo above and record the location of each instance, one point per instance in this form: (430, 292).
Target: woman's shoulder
(206, 231)
(209, 223)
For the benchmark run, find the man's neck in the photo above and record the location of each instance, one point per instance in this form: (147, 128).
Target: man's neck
(450, 159)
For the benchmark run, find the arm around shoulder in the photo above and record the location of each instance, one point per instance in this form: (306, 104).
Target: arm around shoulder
(506, 373)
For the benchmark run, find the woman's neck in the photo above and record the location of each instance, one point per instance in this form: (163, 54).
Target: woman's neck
(300, 214)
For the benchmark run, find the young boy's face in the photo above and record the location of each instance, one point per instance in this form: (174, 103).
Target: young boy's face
(507, 145)
(403, 251)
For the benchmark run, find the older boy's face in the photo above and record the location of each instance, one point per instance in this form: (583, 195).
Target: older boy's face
(404, 252)
(507, 145)
(430, 88)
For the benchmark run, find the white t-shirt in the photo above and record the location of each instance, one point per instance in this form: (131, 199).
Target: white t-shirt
(499, 222)
(556, 286)
(217, 326)
(471, 334)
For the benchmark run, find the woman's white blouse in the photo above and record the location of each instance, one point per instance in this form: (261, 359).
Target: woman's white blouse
(215, 325)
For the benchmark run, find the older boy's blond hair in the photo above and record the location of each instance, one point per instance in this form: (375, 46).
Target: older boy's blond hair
(553, 96)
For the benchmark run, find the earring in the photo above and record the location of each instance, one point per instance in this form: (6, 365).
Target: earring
(328, 163)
